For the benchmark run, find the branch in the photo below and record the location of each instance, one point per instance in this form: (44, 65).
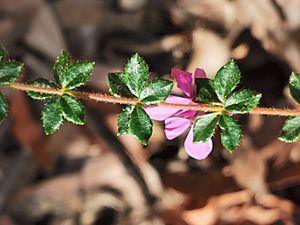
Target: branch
(132, 101)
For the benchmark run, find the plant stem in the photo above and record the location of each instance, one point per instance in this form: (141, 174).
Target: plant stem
(133, 101)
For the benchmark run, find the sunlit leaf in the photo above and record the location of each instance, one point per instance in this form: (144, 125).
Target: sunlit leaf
(117, 87)
(227, 79)
(61, 66)
(231, 132)
(294, 85)
(242, 101)
(204, 127)
(123, 120)
(3, 108)
(77, 74)
(291, 130)
(40, 82)
(135, 74)
(140, 125)
(52, 116)
(156, 91)
(10, 71)
(72, 109)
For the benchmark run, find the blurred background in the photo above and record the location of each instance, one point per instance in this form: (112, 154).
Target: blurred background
(86, 175)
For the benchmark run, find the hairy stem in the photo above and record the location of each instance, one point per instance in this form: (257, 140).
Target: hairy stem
(132, 101)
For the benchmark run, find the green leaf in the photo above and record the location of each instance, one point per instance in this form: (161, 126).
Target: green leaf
(61, 66)
(117, 87)
(72, 109)
(205, 90)
(2, 53)
(242, 101)
(156, 91)
(231, 133)
(52, 116)
(77, 74)
(10, 71)
(3, 108)
(294, 85)
(136, 74)
(227, 79)
(204, 127)
(291, 130)
(123, 120)
(140, 125)
(40, 82)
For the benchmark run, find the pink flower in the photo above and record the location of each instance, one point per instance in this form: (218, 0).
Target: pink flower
(177, 121)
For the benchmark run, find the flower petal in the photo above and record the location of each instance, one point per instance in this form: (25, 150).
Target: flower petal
(178, 100)
(175, 126)
(158, 113)
(187, 113)
(199, 73)
(197, 150)
(184, 81)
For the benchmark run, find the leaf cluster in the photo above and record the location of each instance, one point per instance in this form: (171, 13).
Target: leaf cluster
(68, 75)
(221, 91)
(291, 128)
(133, 83)
(10, 71)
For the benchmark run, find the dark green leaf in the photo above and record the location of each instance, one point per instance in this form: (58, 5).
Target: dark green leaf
(3, 108)
(156, 91)
(61, 66)
(117, 87)
(77, 74)
(204, 127)
(72, 109)
(242, 101)
(231, 132)
(227, 79)
(140, 125)
(136, 74)
(52, 116)
(40, 82)
(291, 130)
(2, 54)
(10, 71)
(294, 85)
(205, 90)
(123, 120)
